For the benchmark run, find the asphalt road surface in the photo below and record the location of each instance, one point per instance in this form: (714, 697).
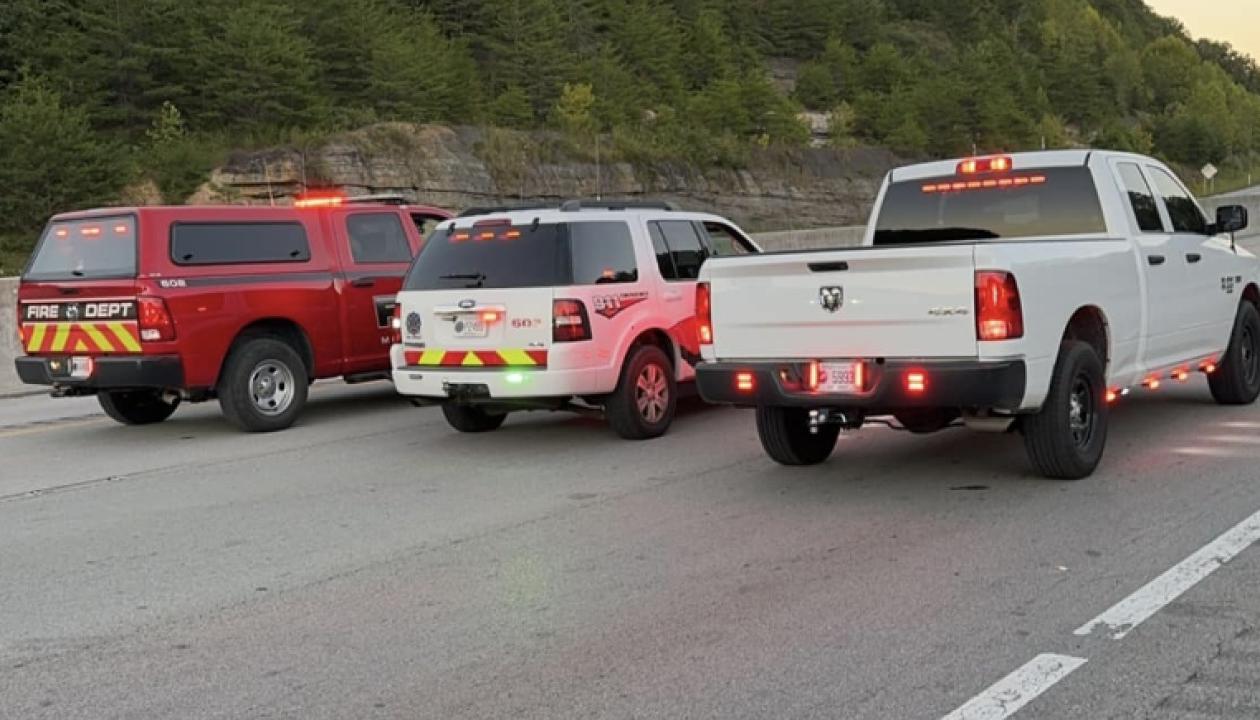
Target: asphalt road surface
(370, 563)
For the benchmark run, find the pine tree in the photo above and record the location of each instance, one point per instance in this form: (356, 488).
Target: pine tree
(50, 161)
(261, 71)
(527, 52)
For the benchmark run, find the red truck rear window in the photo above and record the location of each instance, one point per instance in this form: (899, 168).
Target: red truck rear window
(97, 248)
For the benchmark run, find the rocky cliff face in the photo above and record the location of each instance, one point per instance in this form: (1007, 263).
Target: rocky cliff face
(462, 167)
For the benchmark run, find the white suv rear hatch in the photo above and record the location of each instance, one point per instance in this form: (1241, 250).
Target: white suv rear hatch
(488, 288)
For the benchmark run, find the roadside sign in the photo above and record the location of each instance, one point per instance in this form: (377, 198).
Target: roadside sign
(1209, 171)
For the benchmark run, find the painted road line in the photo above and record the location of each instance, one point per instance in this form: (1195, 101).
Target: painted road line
(1131, 611)
(1005, 697)
(50, 426)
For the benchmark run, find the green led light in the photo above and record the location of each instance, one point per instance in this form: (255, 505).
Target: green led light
(515, 378)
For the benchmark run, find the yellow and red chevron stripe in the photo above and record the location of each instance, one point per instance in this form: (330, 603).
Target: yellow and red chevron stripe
(81, 337)
(475, 358)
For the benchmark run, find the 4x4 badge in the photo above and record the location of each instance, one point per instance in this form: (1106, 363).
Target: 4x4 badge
(831, 298)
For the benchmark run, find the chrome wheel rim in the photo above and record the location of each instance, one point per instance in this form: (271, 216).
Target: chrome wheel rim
(1081, 412)
(271, 387)
(651, 393)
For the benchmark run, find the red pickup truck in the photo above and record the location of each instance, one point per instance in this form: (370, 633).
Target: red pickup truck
(151, 306)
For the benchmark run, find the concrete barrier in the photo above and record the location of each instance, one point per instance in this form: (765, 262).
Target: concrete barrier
(817, 238)
(9, 347)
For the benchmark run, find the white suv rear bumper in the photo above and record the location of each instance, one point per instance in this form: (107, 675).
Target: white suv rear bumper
(499, 383)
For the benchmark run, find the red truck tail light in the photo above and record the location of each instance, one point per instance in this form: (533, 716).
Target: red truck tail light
(571, 323)
(704, 313)
(156, 324)
(999, 313)
(395, 324)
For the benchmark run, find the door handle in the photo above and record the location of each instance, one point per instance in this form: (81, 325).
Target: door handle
(1155, 259)
(1193, 258)
(363, 282)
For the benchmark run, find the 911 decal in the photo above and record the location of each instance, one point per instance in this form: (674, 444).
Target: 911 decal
(610, 306)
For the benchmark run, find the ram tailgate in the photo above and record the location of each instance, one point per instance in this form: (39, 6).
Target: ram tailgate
(912, 301)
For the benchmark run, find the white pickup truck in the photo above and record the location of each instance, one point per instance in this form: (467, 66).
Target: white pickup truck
(1024, 292)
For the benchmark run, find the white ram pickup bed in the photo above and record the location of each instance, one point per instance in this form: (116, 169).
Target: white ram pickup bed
(1025, 291)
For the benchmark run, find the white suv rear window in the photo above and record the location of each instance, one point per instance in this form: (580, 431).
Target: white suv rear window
(490, 254)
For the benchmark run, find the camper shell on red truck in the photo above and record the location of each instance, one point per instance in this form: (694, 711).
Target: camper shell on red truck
(147, 307)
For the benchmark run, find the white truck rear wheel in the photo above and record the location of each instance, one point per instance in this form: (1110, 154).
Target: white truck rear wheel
(1065, 440)
(785, 434)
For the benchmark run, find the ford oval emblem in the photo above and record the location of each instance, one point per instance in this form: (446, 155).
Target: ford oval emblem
(467, 304)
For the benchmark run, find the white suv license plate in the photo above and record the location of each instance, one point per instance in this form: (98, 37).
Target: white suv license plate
(470, 328)
(838, 378)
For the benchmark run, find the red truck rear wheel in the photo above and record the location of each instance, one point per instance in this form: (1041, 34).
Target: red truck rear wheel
(136, 407)
(264, 385)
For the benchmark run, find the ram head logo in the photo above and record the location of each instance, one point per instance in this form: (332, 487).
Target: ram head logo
(831, 298)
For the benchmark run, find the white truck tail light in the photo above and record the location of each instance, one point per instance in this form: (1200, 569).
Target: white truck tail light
(570, 321)
(704, 313)
(156, 324)
(999, 313)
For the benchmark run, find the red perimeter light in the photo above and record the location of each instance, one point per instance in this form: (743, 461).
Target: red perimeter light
(1181, 375)
(489, 316)
(916, 382)
(1208, 367)
(90, 231)
(460, 236)
(974, 166)
(990, 184)
(1112, 396)
(745, 382)
(121, 229)
(1152, 383)
(815, 375)
(61, 232)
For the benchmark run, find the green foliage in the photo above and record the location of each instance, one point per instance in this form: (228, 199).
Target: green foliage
(160, 89)
(49, 158)
(573, 110)
(174, 160)
(815, 88)
(262, 72)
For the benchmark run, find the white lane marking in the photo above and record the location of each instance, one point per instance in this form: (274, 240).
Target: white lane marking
(1006, 696)
(1240, 425)
(1217, 452)
(1131, 611)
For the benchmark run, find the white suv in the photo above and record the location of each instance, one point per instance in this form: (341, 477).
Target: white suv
(579, 307)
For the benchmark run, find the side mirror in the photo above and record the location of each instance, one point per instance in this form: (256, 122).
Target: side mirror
(1231, 218)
